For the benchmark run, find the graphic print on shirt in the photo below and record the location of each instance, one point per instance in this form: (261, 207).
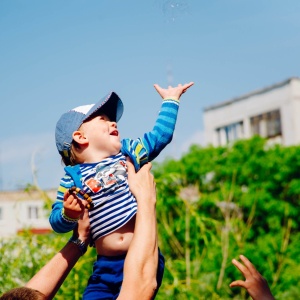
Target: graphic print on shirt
(107, 178)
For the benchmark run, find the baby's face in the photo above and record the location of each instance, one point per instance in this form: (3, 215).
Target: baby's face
(102, 134)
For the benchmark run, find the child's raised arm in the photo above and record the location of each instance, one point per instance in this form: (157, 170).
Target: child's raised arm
(148, 147)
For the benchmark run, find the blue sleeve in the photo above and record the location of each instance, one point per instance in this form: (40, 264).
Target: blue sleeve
(58, 220)
(152, 143)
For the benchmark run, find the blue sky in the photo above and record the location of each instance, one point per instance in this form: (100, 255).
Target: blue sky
(56, 55)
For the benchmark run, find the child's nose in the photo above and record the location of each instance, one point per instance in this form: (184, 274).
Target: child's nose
(114, 124)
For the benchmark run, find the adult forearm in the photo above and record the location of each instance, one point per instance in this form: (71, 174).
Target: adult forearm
(49, 279)
(142, 258)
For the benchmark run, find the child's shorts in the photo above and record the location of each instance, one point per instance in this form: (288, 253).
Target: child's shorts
(106, 280)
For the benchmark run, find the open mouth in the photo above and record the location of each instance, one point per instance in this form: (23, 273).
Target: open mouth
(115, 133)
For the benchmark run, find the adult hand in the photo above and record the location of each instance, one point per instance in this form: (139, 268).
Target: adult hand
(173, 92)
(82, 230)
(141, 184)
(255, 284)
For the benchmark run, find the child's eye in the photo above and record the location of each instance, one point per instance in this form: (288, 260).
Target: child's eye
(103, 118)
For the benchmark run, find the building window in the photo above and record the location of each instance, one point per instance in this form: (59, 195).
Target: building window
(267, 125)
(230, 133)
(33, 212)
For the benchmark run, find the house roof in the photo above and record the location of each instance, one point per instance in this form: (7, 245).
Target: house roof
(248, 95)
(25, 196)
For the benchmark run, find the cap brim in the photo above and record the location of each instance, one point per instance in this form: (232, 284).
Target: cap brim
(110, 105)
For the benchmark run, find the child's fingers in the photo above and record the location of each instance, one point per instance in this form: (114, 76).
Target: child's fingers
(66, 195)
(248, 264)
(239, 283)
(158, 88)
(74, 202)
(68, 200)
(241, 267)
(186, 86)
(79, 203)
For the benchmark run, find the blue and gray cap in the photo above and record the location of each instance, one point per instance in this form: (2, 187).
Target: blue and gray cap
(111, 105)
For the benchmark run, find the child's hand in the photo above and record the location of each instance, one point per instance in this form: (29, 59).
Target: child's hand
(255, 284)
(73, 206)
(173, 92)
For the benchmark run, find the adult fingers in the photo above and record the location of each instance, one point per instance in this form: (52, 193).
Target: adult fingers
(147, 166)
(83, 203)
(85, 215)
(130, 166)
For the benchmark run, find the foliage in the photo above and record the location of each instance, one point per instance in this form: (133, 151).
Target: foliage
(24, 255)
(213, 204)
(248, 203)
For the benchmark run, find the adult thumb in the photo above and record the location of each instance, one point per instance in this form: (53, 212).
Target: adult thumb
(130, 165)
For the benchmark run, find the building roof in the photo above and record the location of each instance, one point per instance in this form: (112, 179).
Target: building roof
(256, 92)
(25, 196)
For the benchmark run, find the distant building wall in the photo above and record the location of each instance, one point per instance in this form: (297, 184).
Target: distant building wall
(20, 210)
(272, 112)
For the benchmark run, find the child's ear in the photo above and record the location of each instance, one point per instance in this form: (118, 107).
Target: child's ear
(78, 137)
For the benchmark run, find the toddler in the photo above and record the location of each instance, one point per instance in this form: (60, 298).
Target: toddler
(88, 141)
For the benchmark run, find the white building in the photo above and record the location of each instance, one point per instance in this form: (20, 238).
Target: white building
(21, 210)
(272, 112)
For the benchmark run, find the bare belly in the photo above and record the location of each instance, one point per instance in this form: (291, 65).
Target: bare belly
(117, 242)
